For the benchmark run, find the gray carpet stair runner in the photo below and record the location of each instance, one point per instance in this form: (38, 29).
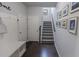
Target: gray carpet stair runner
(47, 32)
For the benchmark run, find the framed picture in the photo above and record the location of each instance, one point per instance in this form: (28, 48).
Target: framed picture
(65, 10)
(59, 14)
(64, 24)
(73, 25)
(56, 23)
(74, 6)
(59, 23)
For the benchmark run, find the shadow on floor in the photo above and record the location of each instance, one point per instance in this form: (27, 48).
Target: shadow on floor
(41, 50)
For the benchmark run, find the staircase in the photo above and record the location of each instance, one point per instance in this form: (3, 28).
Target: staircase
(47, 32)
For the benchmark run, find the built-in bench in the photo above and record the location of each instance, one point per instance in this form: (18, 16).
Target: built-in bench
(12, 48)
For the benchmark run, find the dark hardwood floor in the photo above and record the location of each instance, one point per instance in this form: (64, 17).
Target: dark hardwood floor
(41, 50)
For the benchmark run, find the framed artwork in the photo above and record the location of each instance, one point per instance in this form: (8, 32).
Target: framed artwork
(74, 6)
(65, 10)
(56, 23)
(73, 25)
(59, 23)
(64, 24)
(59, 14)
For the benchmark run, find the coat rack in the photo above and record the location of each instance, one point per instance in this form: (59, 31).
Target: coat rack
(7, 7)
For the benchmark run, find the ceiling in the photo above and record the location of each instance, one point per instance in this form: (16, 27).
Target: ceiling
(40, 4)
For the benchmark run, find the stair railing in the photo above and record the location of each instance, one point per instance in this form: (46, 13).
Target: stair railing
(40, 32)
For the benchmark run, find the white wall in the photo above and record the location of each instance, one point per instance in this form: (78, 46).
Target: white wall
(35, 17)
(33, 23)
(17, 8)
(9, 18)
(67, 44)
(9, 42)
(48, 16)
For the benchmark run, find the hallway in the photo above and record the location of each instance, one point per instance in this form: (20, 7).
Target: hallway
(41, 50)
(27, 27)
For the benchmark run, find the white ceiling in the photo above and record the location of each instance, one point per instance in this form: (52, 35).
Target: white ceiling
(41, 4)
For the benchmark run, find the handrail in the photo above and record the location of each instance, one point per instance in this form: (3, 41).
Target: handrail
(39, 34)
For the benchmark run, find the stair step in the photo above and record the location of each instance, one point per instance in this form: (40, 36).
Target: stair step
(47, 40)
(47, 22)
(47, 25)
(50, 29)
(47, 37)
(47, 28)
(47, 34)
(45, 31)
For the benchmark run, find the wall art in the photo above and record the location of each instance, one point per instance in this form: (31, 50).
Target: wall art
(64, 24)
(65, 10)
(74, 6)
(5, 6)
(59, 23)
(56, 23)
(73, 25)
(59, 14)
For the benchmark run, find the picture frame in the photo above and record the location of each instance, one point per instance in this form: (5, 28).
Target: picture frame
(59, 23)
(65, 10)
(73, 25)
(64, 23)
(74, 6)
(59, 14)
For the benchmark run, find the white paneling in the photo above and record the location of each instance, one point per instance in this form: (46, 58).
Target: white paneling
(33, 23)
(22, 28)
(33, 28)
(9, 42)
(11, 23)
